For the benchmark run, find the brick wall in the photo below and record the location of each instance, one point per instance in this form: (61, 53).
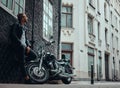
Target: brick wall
(9, 67)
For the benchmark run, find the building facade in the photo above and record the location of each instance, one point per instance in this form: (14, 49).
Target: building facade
(43, 22)
(90, 36)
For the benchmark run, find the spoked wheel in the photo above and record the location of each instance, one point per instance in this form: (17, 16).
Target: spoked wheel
(39, 76)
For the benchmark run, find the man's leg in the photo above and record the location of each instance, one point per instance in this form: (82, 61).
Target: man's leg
(21, 57)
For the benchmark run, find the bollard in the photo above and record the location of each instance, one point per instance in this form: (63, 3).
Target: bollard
(92, 74)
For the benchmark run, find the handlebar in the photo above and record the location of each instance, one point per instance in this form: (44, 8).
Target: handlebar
(41, 47)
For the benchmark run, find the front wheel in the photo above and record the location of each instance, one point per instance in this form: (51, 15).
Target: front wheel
(39, 76)
(67, 80)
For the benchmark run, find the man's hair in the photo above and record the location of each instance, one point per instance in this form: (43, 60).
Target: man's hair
(20, 16)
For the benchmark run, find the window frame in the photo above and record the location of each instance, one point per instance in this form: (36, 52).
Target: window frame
(99, 33)
(91, 24)
(92, 3)
(11, 11)
(63, 51)
(46, 23)
(66, 15)
(105, 10)
(106, 35)
(98, 6)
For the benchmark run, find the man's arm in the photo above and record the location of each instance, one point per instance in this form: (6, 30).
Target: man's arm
(15, 38)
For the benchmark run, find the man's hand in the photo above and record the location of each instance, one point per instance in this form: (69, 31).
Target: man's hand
(28, 49)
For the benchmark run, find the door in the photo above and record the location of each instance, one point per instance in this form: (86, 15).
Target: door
(107, 67)
(67, 50)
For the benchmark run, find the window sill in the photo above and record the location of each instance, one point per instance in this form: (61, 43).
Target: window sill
(66, 28)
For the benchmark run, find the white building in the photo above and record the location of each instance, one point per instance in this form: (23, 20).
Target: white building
(90, 35)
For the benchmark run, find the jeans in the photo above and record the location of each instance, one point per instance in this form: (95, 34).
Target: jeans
(21, 53)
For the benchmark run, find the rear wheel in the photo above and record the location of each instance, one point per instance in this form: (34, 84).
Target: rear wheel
(39, 76)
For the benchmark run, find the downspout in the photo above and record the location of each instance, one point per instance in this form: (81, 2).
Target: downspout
(32, 37)
(59, 26)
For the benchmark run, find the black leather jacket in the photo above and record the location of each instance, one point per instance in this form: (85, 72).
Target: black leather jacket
(16, 34)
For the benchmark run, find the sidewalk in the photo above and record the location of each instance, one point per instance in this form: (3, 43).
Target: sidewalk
(97, 82)
(74, 84)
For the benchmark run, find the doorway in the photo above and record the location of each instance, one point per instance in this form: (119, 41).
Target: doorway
(107, 67)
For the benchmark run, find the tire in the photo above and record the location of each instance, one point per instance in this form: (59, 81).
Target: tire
(67, 80)
(35, 75)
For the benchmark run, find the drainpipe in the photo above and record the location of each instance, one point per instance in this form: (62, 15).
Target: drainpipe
(59, 26)
(32, 37)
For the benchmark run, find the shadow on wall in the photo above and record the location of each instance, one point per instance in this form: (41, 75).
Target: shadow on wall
(9, 66)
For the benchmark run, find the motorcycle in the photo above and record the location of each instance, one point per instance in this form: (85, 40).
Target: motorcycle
(47, 67)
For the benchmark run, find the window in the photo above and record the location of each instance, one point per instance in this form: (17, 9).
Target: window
(98, 5)
(92, 2)
(105, 10)
(67, 50)
(90, 58)
(18, 6)
(7, 3)
(119, 67)
(116, 21)
(47, 19)
(90, 25)
(117, 43)
(106, 34)
(119, 24)
(98, 31)
(100, 61)
(14, 6)
(66, 20)
(111, 15)
(99, 64)
(112, 41)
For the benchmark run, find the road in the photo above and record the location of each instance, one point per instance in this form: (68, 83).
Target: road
(75, 84)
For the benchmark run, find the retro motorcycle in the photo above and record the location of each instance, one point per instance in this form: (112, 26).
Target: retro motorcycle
(47, 67)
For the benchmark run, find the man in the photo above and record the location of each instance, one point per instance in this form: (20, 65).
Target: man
(20, 46)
